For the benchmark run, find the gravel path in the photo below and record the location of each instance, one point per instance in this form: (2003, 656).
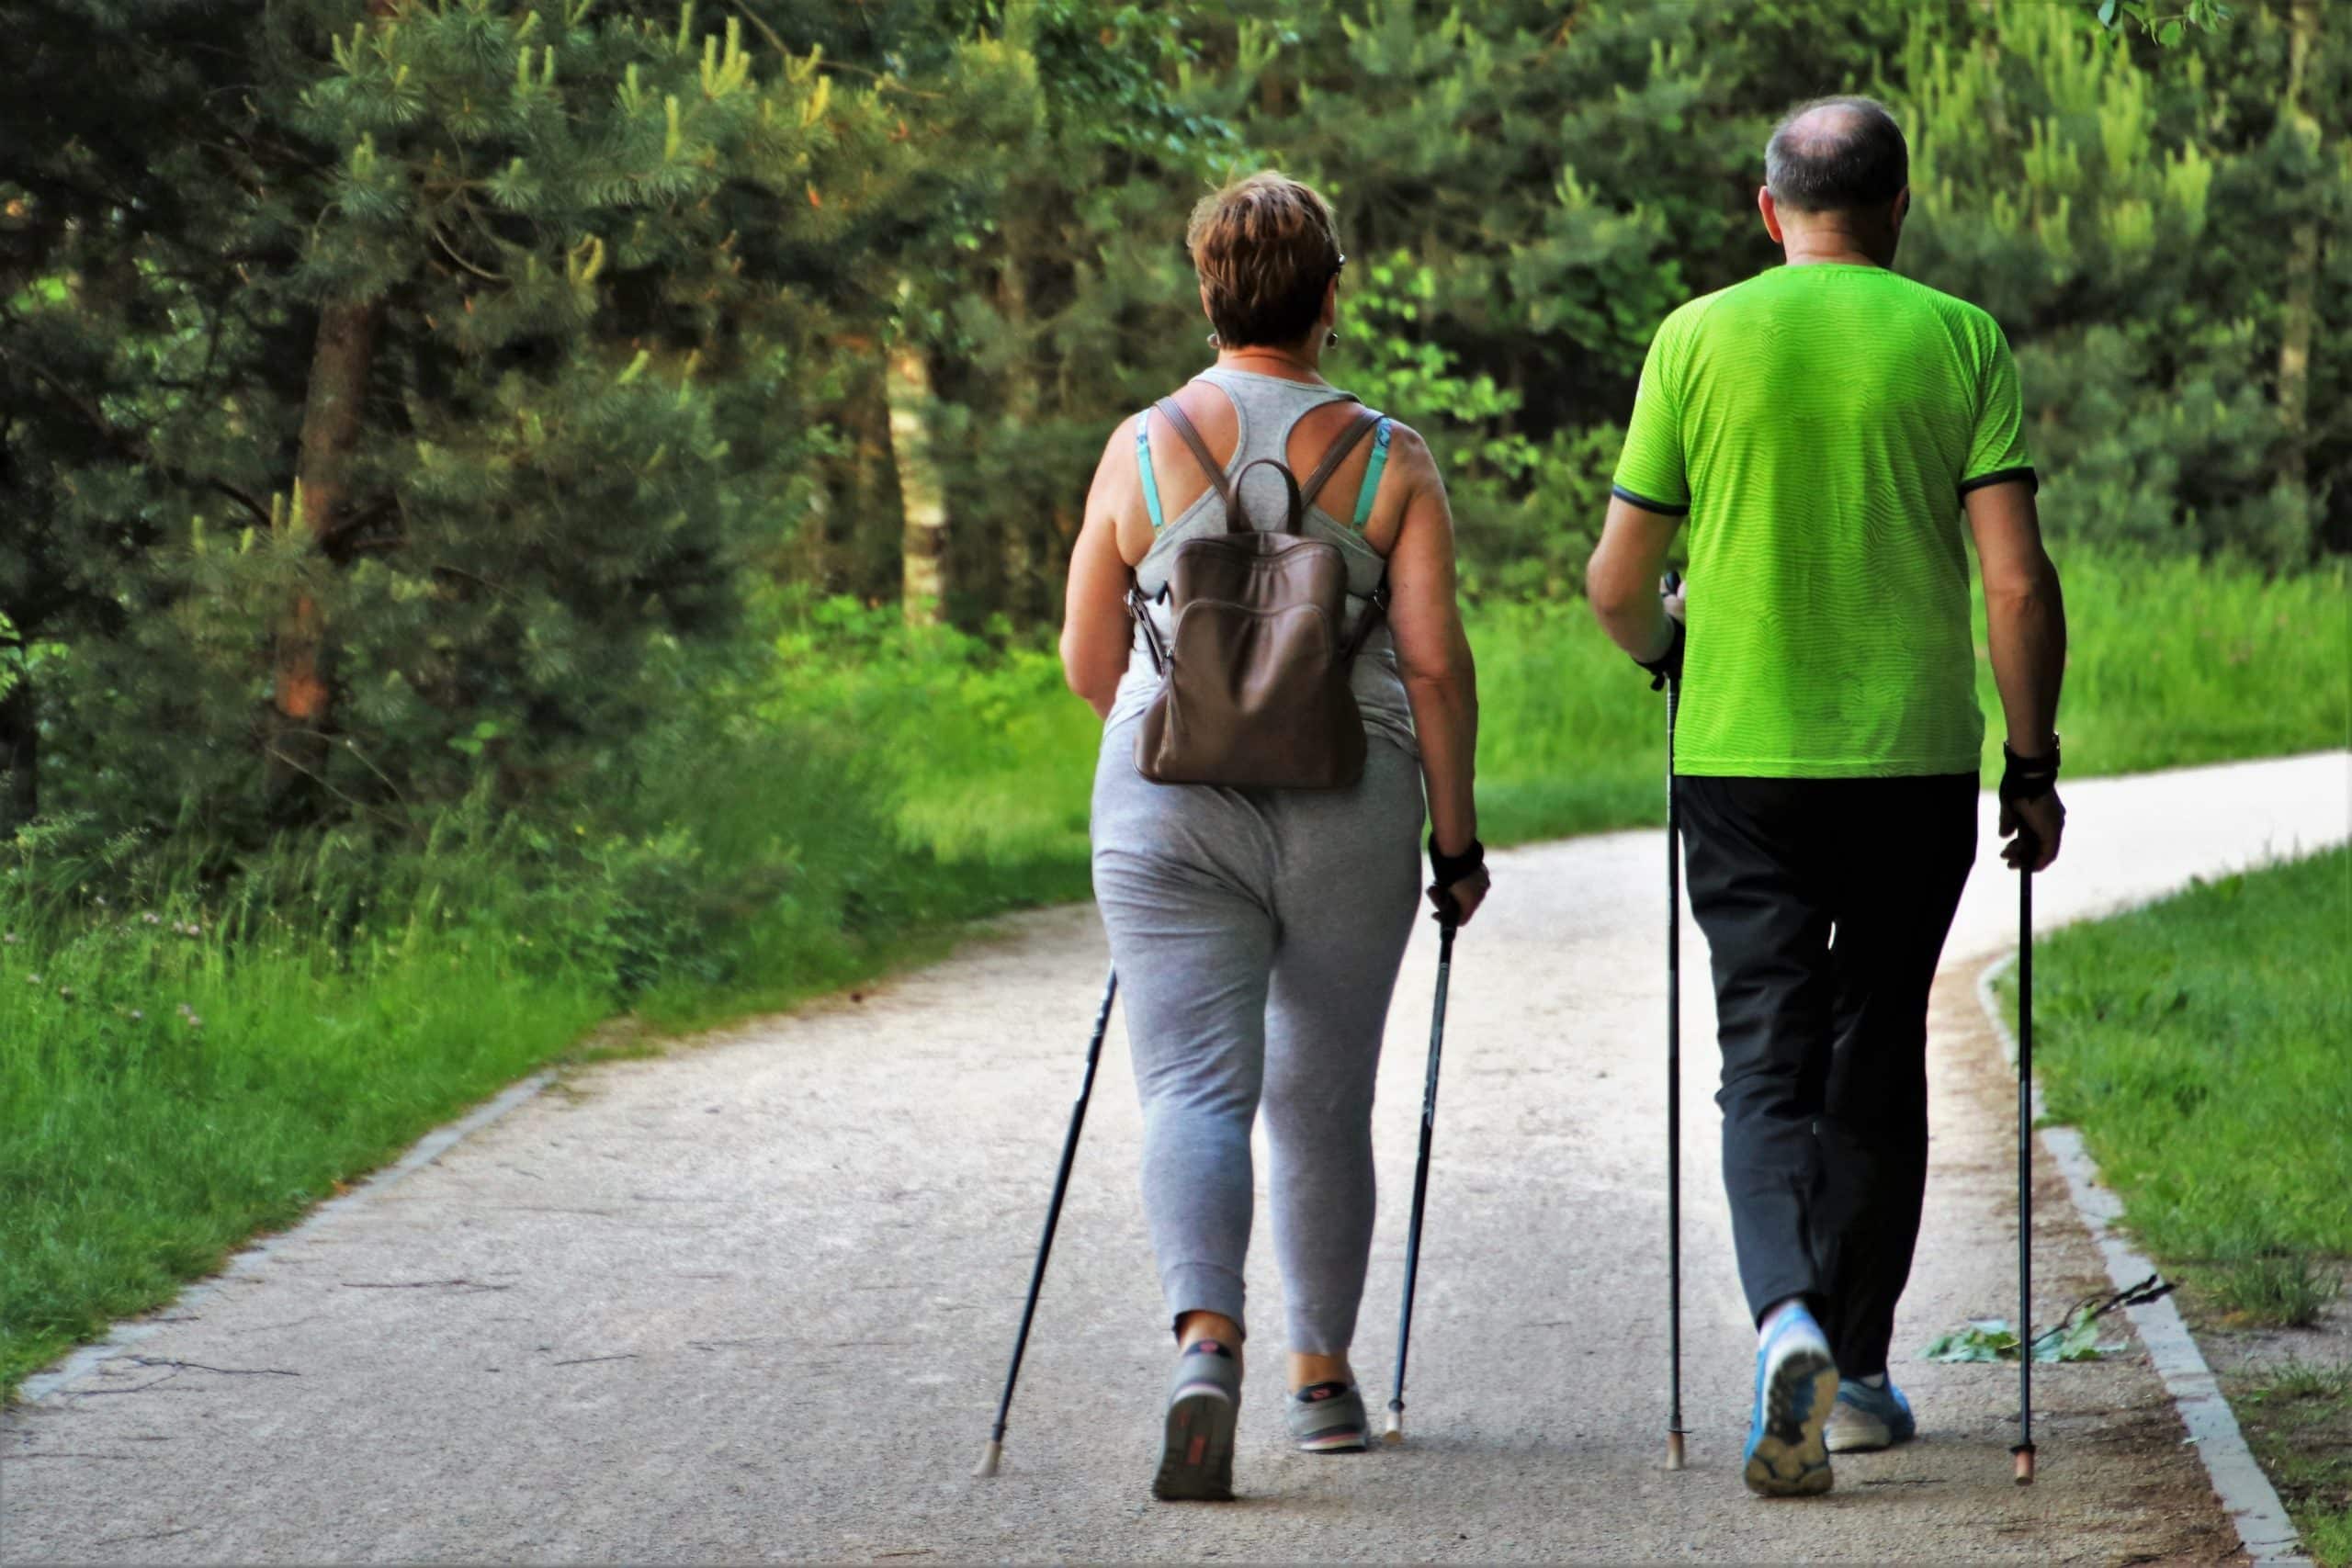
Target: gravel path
(751, 1300)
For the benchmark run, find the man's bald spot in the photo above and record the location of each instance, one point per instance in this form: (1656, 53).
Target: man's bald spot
(1828, 129)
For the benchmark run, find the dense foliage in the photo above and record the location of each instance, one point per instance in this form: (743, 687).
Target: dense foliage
(404, 402)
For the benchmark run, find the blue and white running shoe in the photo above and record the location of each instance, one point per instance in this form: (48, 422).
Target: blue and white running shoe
(1796, 1387)
(1868, 1418)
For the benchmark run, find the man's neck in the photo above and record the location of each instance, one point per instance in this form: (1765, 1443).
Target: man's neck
(1830, 245)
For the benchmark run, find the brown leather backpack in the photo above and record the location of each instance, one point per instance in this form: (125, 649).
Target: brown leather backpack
(1254, 681)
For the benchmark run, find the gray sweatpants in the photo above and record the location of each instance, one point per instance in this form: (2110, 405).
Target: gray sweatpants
(1257, 935)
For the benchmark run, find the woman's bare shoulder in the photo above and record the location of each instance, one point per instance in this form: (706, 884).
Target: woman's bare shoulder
(1408, 448)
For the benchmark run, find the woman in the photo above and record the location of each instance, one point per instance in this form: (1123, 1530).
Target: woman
(1257, 932)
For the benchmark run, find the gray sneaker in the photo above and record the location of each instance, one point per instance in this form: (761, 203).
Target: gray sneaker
(1327, 1419)
(1196, 1447)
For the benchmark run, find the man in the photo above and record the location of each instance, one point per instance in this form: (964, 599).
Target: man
(1824, 426)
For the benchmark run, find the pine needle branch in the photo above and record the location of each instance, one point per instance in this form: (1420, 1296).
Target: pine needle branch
(128, 444)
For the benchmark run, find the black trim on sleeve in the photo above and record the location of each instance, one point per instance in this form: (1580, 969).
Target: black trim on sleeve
(2003, 476)
(1661, 508)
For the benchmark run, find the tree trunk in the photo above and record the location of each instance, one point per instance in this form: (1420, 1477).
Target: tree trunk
(871, 564)
(346, 350)
(923, 499)
(340, 360)
(2302, 258)
(19, 755)
(1018, 546)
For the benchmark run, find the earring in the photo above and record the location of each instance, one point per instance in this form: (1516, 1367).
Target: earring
(1331, 338)
(1213, 343)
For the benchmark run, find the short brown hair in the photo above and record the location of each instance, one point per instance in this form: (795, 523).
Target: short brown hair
(1265, 247)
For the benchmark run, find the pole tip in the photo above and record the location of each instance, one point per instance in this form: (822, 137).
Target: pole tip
(1395, 1432)
(1674, 1450)
(2024, 1457)
(988, 1458)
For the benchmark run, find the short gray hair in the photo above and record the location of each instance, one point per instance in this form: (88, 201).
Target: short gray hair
(1837, 155)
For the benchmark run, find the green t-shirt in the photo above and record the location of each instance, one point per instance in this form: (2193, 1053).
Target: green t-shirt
(1819, 423)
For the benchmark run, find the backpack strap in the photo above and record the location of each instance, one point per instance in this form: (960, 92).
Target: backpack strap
(1184, 426)
(1337, 453)
(1140, 608)
(1238, 521)
(1375, 611)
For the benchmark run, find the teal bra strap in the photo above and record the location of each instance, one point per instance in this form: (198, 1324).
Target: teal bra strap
(1371, 478)
(1142, 468)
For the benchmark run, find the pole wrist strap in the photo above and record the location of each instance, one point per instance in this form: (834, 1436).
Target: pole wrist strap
(1446, 870)
(2028, 778)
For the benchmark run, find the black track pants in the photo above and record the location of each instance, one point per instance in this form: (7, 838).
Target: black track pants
(1825, 903)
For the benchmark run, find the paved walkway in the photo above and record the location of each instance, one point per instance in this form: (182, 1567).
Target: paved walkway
(750, 1301)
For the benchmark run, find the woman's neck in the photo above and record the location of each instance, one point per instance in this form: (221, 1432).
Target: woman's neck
(1289, 364)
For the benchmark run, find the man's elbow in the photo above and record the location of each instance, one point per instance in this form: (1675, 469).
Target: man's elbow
(1612, 592)
(2031, 589)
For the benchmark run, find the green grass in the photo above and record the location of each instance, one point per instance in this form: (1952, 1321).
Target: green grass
(2284, 1289)
(2200, 1044)
(169, 1094)
(2176, 662)
(844, 811)
(2299, 1422)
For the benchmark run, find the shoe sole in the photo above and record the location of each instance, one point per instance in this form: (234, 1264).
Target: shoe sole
(1852, 1432)
(1196, 1449)
(1791, 1458)
(1346, 1441)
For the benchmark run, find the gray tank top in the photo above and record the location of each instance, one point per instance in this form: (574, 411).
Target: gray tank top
(1266, 408)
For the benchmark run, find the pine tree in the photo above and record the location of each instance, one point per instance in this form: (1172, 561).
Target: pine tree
(2108, 200)
(502, 348)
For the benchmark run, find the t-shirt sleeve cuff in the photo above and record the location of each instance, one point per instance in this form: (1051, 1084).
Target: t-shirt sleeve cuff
(2003, 476)
(1663, 508)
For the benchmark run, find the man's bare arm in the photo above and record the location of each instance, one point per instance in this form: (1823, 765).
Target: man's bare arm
(2025, 626)
(2025, 613)
(1622, 580)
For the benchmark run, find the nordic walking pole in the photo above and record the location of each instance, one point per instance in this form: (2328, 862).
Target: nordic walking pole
(1447, 917)
(995, 1449)
(1673, 1082)
(2023, 1452)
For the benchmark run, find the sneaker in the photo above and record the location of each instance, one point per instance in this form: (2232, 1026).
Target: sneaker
(1327, 1419)
(1868, 1418)
(1196, 1445)
(1796, 1387)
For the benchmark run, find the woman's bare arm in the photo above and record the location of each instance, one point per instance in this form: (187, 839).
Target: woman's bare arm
(1432, 650)
(1096, 632)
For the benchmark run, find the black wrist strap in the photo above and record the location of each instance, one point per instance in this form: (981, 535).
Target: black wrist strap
(2029, 778)
(1445, 869)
